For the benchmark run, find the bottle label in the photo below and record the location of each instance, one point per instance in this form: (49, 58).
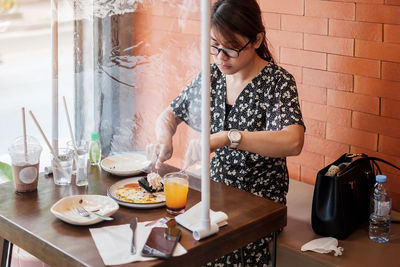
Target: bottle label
(382, 208)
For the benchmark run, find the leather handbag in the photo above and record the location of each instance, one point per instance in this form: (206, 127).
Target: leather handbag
(341, 202)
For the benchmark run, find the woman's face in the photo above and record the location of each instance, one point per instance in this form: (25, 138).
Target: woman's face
(229, 65)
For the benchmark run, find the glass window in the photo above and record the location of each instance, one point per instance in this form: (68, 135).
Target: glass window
(120, 63)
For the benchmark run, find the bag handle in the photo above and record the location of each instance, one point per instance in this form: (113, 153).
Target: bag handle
(373, 159)
(384, 161)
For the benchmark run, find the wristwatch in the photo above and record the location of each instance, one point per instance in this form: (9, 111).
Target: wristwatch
(234, 137)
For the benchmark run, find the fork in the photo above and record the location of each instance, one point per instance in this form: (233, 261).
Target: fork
(161, 220)
(84, 213)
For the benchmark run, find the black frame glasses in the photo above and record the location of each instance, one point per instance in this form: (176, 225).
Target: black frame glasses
(229, 52)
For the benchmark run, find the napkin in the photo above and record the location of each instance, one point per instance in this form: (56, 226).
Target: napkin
(114, 243)
(323, 245)
(191, 220)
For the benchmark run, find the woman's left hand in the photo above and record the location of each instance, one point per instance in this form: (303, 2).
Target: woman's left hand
(193, 153)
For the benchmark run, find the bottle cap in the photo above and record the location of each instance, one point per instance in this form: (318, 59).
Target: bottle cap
(381, 178)
(95, 136)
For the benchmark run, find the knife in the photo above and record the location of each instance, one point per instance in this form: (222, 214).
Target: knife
(133, 227)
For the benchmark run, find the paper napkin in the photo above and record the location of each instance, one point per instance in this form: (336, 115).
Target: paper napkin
(114, 243)
(323, 245)
(191, 220)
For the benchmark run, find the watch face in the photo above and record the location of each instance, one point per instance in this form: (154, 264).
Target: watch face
(235, 136)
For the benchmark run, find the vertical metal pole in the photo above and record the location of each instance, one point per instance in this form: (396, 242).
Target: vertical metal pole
(6, 254)
(205, 113)
(54, 72)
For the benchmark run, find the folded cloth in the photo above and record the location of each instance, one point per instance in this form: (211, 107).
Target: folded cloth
(323, 245)
(114, 243)
(191, 220)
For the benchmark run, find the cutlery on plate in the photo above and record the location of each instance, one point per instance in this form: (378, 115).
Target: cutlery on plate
(133, 227)
(161, 220)
(83, 212)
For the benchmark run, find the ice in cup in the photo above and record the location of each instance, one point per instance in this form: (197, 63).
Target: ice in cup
(80, 165)
(25, 163)
(176, 187)
(62, 166)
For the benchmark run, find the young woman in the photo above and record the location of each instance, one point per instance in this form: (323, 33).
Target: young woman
(256, 120)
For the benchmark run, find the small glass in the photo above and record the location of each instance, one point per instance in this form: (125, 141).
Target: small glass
(62, 170)
(176, 187)
(80, 165)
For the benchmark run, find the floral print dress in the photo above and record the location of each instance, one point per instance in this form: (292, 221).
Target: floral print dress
(268, 103)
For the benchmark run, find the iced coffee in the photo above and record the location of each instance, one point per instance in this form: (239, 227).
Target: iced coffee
(25, 158)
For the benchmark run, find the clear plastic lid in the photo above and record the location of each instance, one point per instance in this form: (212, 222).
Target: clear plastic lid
(381, 178)
(20, 156)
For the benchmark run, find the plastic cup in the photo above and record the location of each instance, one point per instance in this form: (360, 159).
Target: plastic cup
(62, 171)
(25, 166)
(80, 165)
(176, 187)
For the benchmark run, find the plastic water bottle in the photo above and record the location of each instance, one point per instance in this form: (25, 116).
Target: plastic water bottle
(379, 219)
(94, 149)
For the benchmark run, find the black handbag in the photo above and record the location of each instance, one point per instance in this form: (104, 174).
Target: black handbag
(341, 203)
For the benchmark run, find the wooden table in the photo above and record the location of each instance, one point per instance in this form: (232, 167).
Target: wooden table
(26, 221)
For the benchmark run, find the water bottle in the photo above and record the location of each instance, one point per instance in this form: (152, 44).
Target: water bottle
(94, 149)
(379, 219)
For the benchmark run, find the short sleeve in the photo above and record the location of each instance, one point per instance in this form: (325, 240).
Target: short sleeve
(290, 112)
(187, 105)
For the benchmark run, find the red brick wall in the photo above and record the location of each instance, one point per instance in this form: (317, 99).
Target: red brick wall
(345, 56)
(166, 38)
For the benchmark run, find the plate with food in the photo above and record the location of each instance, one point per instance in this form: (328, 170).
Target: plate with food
(125, 164)
(66, 209)
(143, 192)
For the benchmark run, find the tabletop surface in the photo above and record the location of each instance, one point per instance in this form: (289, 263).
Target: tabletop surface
(26, 220)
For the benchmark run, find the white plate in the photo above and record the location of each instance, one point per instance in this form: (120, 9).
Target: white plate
(64, 209)
(111, 192)
(125, 164)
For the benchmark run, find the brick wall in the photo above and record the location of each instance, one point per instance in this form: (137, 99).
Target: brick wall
(166, 41)
(345, 56)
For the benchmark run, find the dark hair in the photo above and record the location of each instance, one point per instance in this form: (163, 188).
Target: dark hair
(243, 17)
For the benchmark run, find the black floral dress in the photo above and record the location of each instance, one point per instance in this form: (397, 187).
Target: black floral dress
(268, 103)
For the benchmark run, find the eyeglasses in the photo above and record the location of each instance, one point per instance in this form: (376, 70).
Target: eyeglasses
(229, 52)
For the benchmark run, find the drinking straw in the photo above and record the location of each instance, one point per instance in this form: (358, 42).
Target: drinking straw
(70, 128)
(57, 160)
(24, 127)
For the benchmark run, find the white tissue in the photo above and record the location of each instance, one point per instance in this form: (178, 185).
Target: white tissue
(191, 220)
(323, 245)
(201, 233)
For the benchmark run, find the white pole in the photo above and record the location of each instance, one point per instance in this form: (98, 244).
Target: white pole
(205, 113)
(54, 72)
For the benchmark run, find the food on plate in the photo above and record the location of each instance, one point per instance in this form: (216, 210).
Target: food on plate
(134, 193)
(152, 183)
(154, 180)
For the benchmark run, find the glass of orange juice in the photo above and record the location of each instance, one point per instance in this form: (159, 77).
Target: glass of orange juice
(176, 187)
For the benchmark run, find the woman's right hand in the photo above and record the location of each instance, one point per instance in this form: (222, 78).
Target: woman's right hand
(162, 149)
(158, 152)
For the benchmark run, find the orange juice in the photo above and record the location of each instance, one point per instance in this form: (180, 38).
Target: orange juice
(176, 187)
